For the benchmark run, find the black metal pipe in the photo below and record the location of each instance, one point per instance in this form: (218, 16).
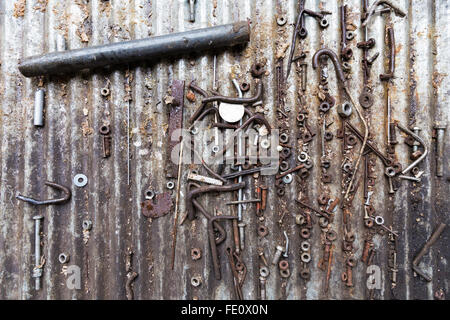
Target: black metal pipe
(148, 49)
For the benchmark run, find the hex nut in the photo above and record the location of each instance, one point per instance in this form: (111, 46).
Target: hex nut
(305, 257)
(303, 157)
(280, 192)
(350, 35)
(300, 219)
(323, 222)
(63, 258)
(196, 281)
(196, 253)
(308, 164)
(285, 273)
(284, 138)
(105, 92)
(331, 235)
(283, 265)
(379, 220)
(245, 86)
(305, 245)
(264, 271)
(305, 233)
(368, 223)
(257, 70)
(262, 231)
(284, 166)
(324, 22)
(87, 225)
(305, 274)
(149, 194)
(324, 107)
(345, 110)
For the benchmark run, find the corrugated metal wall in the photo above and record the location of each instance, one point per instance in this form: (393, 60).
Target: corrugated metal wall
(70, 144)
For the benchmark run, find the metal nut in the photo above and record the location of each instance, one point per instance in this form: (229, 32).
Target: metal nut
(305, 257)
(196, 253)
(305, 245)
(196, 281)
(63, 258)
(87, 225)
(283, 265)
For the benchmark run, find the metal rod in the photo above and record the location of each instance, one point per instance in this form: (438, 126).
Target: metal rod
(39, 108)
(148, 49)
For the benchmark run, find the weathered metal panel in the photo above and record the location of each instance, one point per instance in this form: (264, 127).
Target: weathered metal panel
(70, 143)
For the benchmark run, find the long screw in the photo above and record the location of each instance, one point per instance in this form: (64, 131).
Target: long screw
(37, 270)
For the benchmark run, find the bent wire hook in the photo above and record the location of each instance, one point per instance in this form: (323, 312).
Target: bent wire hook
(65, 190)
(341, 78)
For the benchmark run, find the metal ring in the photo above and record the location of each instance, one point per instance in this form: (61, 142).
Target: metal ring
(63, 258)
(80, 180)
(305, 257)
(87, 225)
(170, 185)
(287, 178)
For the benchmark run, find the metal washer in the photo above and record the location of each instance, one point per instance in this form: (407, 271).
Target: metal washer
(80, 180)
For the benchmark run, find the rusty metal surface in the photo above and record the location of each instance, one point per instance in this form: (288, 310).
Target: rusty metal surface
(69, 143)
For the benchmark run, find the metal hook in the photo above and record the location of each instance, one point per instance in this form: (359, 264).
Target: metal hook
(334, 59)
(377, 3)
(65, 190)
